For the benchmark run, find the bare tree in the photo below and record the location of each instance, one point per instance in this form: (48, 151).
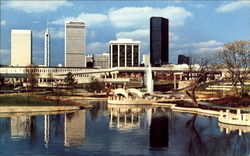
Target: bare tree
(32, 78)
(197, 73)
(234, 57)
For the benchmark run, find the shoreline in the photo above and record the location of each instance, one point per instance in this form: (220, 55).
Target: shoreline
(26, 109)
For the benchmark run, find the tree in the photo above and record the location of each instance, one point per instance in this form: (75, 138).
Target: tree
(234, 57)
(50, 81)
(95, 85)
(197, 73)
(32, 78)
(57, 92)
(70, 82)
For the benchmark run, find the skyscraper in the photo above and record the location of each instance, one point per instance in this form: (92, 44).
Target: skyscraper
(47, 47)
(75, 44)
(21, 47)
(124, 53)
(159, 42)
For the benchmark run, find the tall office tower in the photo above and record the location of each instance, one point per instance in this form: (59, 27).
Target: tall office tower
(21, 47)
(182, 59)
(47, 48)
(159, 42)
(75, 44)
(124, 53)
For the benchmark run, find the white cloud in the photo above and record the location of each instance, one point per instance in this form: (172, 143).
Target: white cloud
(233, 6)
(140, 34)
(3, 22)
(206, 50)
(209, 43)
(138, 17)
(54, 33)
(198, 5)
(4, 52)
(4, 56)
(90, 19)
(37, 6)
(173, 37)
(91, 34)
(97, 47)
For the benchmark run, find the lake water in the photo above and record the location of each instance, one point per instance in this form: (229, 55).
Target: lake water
(120, 130)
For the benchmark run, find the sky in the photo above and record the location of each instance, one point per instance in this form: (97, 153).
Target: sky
(197, 28)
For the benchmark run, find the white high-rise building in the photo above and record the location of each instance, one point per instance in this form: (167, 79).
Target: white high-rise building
(75, 44)
(47, 47)
(124, 53)
(21, 47)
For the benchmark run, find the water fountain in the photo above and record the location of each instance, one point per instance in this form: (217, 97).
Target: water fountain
(149, 79)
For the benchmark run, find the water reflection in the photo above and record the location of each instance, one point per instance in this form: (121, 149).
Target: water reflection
(74, 128)
(125, 117)
(20, 126)
(121, 130)
(159, 129)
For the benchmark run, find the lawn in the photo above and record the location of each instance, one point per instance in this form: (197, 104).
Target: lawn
(25, 101)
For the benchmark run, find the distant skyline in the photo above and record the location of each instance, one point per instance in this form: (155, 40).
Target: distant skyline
(196, 27)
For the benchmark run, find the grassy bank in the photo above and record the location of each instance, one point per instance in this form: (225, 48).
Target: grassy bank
(25, 101)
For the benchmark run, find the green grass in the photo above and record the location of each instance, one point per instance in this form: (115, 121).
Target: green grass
(25, 101)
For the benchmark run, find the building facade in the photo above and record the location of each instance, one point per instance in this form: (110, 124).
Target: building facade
(101, 60)
(124, 53)
(47, 48)
(21, 47)
(159, 41)
(75, 44)
(146, 59)
(182, 59)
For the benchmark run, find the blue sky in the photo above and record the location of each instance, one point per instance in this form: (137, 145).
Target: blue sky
(196, 27)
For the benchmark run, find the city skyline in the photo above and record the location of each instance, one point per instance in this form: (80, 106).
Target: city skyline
(195, 27)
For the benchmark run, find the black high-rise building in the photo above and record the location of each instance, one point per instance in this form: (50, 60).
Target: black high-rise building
(182, 59)
(159, 43)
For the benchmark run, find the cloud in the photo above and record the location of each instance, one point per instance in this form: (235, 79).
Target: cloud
(90, 19)
(37, 6)
(198, 5)
(209, 43)
(197, 49)
(3, 22)
(4, 52)
(173, 37)
(91, 34)
(138, 17)
(4, 56)
(233, 6)
(206, 50)
(54, 33)
(97, 47)
(140, 34)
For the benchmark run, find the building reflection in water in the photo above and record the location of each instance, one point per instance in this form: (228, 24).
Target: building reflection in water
(74, 128)
(125, 117)
(46, 130)
(230, 128)
(159, 135)
(20, 126)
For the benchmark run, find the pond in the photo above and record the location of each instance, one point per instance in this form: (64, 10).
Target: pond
(120, 130)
